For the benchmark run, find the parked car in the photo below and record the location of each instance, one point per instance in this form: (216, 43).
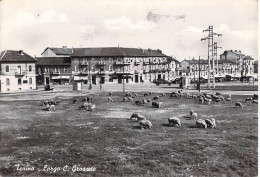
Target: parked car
(161, 81)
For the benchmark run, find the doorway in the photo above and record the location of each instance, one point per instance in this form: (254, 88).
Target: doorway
(136, 78)
(94, 80)
(47, 80)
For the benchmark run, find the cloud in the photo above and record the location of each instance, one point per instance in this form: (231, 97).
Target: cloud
(192, 29)
(154, 17)
(126, 23)
(180, 17)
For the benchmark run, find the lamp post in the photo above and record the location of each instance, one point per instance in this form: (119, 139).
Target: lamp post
(123, 68)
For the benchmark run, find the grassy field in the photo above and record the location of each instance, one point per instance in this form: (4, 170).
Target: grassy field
(115, 146)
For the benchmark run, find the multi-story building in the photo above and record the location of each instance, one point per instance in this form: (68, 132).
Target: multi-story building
(115, 64)
(17, 71)
(190, 68)
(248, 66)
(53, 69)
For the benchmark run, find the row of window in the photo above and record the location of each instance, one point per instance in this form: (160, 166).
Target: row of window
(19, 81)
(19, 69)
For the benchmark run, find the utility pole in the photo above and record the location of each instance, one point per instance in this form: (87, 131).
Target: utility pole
(210, 48)
(216, 53)
(123, 68)
(199, 73)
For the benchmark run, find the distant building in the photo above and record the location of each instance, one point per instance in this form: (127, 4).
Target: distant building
(17, 71)
(53, 69)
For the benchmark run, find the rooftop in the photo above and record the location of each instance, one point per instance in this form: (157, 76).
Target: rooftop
(15, 56)
(49, 61)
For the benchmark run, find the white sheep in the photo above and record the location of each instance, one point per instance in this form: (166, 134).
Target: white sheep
(255, 101)
(51, 107)
(135, 95)
(201, 100)
(238, 104)
(146, 124)
(194, 115)
(211, 123)
(207, 100)
(201, 123)
(137, 116)
(188, 95)
(249, 98)
(174, 121)
(229, 100)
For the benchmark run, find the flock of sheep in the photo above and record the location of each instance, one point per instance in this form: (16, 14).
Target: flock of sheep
(175, 121)
(208, 98)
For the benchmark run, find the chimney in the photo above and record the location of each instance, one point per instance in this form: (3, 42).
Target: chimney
(158, 50)
(64, 47)
(21, 52)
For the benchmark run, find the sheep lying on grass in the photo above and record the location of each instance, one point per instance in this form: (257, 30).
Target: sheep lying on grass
(127, 99)
(156, 105)
(174, 121)
(87, 106)
(201, 123)
(50, 107)
(110, 99)
(211, 123)
(135, 95)
(128, 94)
(110, 94)
(238, 104)
(146, 124)
(155, 97)
(163, 95)
(137, 116)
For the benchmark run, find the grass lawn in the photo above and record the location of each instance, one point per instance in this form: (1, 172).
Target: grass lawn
(115, 146)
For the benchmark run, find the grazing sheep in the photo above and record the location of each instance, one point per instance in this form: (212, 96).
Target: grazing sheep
(221, 97)
(238, 104)
(163, 94)
(208, 96)
(145, 94)
(128, 99)
(150, 93)
(75, 100)
(54, 102)
(137, 116)
(215, 97)
(157, 105)
(217, 100)
(249, 99)
(191, 112)
(148, 100)
(201, 123)
(174, 121)
(229, 100)
(110, 94)
(44, 102)
(188, 95)
(194, 115)
(229, 96)
(211, 123)
(207, 100)
(128, 94)
(110, 99)
(88, 106)
(194, 96)
(89, 99)
(155, 97)
(51, 107)
(217, 93)
(138, 102)
(135, 95)
(255, 101)
(146, 124)
(201, 100)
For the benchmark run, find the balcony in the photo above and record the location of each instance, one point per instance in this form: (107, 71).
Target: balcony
(55, 73)
(122, 63)
(137, 62)
(137, 72)
(82, 73)
(83, 63)
(122, 72)
(19, 74)
(146, 63)
(101, 63)
(101, 73)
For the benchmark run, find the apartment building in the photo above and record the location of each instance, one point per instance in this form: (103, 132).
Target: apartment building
(17, 71)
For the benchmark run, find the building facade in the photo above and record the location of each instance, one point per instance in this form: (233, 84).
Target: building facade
(53, 69)
(57, 52)
(17, 71)
(117, 65)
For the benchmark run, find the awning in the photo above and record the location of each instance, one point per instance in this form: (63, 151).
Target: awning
(80, 78)
(55, 77)
(65, 77)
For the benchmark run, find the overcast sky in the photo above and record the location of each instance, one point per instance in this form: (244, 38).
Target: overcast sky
(173, 26)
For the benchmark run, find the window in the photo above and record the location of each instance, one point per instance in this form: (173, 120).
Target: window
(110, 68)
(76, 68)
(19, 69)
(7, 68)
(56, 69)
(30, 68)
(46, 70)
(7, 81)
(30, 80)
(19, 81)
(93, 68)
(65, 69)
